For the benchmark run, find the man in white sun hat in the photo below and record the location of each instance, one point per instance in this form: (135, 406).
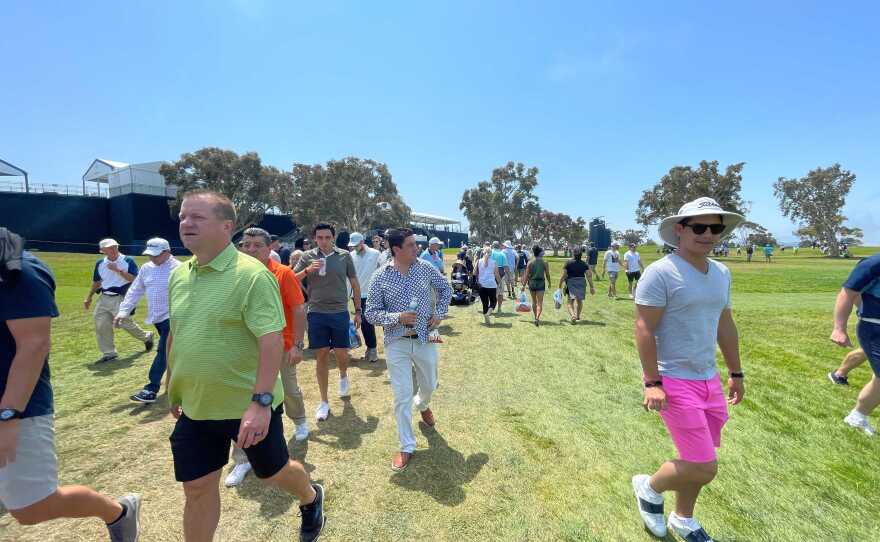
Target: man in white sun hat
(682, 310)
(111, 278)
(152, 280)
(433, 254)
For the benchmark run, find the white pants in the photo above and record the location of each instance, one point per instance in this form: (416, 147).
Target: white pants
(402, 356)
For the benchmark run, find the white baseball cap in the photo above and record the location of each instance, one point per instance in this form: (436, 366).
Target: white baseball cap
(355, 239)
(106, 243)
(435, 241)
(698, 207)
(156, 246)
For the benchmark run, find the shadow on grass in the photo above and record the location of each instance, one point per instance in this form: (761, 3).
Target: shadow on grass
(148, 413)
(373, 369)
(107, 368)
(440, 471)
(590, 323)
(498, 325)
(447, 331)
(348, 429)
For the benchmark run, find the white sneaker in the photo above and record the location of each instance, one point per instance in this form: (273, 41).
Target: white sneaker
(322, 412)
(371, 355)
(650, 508)
(344, 388)
(860, 421)
(486, 319)
(688, 528)
(236, 476)
(302, 431)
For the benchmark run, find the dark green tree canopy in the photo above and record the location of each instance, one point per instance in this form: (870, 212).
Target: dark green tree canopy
(502, 208)
(817, 201)
(353, 194)
(243, 179)
(684, 183)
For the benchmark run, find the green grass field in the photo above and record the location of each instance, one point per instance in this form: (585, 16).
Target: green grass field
(538, 430)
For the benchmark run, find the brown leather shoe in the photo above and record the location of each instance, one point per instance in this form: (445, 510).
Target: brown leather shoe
(428, 417)
(400, 461)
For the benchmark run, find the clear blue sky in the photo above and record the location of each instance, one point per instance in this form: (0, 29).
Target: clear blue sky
(602, 98)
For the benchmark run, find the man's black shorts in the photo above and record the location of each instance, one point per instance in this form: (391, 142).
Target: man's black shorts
(635, 275)
(200, 447)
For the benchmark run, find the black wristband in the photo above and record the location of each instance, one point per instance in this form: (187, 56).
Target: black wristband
(737, 375)
(654, 384)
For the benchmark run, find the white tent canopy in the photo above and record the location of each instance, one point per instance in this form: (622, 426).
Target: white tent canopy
(9, 170)
(123, 178)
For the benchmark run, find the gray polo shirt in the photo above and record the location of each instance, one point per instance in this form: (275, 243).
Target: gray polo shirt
(328, 294)
(692, 303)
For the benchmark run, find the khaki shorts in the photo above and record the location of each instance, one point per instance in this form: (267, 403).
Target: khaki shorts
(34, 474)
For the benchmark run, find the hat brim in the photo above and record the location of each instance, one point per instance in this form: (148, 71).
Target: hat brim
(152, 252)
(667, 226)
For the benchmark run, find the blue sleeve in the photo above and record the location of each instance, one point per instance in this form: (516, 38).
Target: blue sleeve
(96, 277)
(32, 295)
(863, 274)
(132, 266)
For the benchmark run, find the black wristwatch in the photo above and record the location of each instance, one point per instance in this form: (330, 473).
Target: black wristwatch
(7, 414)
(301, 345)
(737, 375)
(654, 384)
(263, 399)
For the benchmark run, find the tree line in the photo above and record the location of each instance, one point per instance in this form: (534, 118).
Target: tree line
(360, 194)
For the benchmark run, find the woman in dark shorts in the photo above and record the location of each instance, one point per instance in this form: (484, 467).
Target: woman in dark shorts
(575, 275)
(537, 274)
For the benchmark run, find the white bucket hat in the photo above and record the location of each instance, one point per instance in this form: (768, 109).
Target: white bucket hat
(698, 207)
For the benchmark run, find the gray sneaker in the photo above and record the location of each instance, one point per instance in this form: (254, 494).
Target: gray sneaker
(126, 528)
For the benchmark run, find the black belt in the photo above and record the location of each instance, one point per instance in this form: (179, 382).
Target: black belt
(410, 336)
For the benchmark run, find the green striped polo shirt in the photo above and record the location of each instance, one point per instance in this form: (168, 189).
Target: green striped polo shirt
(218, 310)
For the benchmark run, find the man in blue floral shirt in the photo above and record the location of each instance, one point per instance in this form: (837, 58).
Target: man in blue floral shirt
(402, 301)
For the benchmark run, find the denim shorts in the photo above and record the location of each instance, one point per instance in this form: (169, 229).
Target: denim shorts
(328, 330)
(869, 340)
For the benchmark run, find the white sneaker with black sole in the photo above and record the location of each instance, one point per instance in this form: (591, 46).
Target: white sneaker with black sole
(344, 388)
(650, 506)
(688, 528)
(302, 431)
(322, 412)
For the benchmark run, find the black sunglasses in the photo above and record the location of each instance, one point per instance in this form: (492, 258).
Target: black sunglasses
(700, 229)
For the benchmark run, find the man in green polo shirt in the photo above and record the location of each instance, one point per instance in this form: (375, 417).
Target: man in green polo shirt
(224, 353)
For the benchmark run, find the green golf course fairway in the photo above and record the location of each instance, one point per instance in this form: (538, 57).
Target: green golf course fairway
(538, 433)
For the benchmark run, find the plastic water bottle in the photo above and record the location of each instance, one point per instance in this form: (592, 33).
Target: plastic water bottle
(354, 340)
(323, 270)
(413, 306)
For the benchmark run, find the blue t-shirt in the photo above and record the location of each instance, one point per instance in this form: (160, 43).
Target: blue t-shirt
(30, 295)
(865, 279)
(500, 258)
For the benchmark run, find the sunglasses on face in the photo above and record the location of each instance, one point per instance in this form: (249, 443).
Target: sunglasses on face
(700, 229)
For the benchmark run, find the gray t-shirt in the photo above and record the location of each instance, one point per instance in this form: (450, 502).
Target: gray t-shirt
(328, 293)
(688, 331)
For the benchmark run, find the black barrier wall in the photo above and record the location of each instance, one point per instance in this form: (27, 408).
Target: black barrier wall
(57, 223)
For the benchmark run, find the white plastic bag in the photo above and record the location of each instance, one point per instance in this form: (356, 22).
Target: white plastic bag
(557, 298)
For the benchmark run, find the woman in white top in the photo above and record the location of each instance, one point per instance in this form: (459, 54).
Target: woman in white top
(488, 279)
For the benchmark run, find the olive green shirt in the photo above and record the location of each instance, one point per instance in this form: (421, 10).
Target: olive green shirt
(328, 294)
(218, 311)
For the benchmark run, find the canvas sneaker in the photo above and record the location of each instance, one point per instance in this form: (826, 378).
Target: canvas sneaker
(344, 388)
(486, 320)
(125, 529)
(860, 421)
(302, 432)
(650, 506)
(688, 528)
(237, 474)
(322, 412)
(372, 355)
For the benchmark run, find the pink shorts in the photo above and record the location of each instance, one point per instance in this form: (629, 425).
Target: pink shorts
(696, 410)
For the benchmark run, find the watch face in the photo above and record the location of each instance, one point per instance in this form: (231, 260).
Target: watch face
(7, 414)
(265, 399)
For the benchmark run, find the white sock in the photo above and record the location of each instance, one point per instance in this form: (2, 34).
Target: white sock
(649, 492)
(689, 523)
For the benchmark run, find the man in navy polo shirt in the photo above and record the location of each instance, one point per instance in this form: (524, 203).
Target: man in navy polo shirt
(864, 282)
(112, 276)
(28, 464)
